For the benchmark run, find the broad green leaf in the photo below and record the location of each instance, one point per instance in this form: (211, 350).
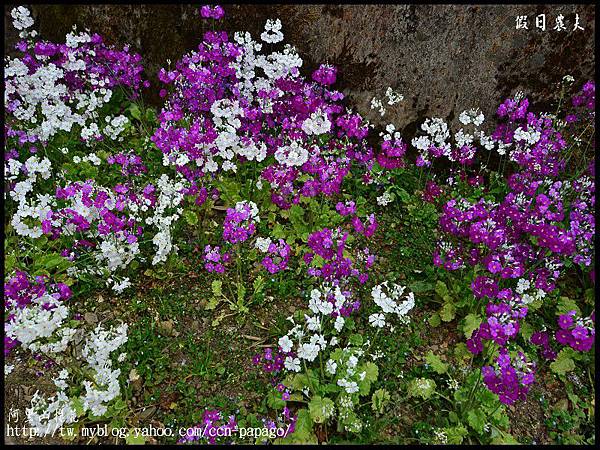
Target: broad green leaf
(448, 312)
(476, 420)
(436, 363)
(321, 409)
(564, 362)
(471, 323)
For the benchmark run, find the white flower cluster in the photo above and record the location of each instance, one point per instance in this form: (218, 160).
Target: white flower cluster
(34, 208)
(272, 33)
(263, 244)
(384, 199)
(22, 20)
(390, 133)
(378, 104)
(115, 126)
(393, 96)
(528, 292)
(42, 99)
(92, 158)
(115, 252)
(97, 351)
(39, 327)
(387, 298)
(308, 349)
(530, 137)
(474, 116)
(291, 155)
(318, 123)
(170, 195)
(47, 415)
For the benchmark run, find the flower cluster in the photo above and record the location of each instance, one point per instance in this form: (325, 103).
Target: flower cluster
(240, 222)
(524, 242)
(229, 105)
(215, 259)
(277, 254)
(510, 378)
(576, 332)
(212, 12)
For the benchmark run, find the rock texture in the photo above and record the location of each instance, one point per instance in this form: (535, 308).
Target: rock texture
(443, 58)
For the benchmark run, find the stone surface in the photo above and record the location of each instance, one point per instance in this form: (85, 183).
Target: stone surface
(443, 58)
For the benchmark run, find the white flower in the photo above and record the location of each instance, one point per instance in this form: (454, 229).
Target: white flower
(263, 244)
(318, 123)
(378, 104)
(331, 366)
(393, 96)
(377, 320)
(286, 344)
(313, 323)
(384, 199)
(339, 323)
(352, 361)
(308, 351)
(292, 364)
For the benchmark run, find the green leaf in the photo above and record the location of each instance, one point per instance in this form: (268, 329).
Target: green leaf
(564, 362)
(476, 420)
(421, 286)
(456, 434)
(372, 372)
(190, 217)
(448, 312)
(526, 330)
(303, 433)
(216, 287)
(274, 400)
(471, 323)
(434, 320)
(441, 289)
(436, 363)
(421, 387)
(355, 340)
(135, 112)
(320, 409)
(565, 304)
(50, 261)
(379, 400)
(258, 284)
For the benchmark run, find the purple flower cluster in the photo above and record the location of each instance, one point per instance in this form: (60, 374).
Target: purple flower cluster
(270, 361)
(331, 245)
(346, 209)
(215, 259)
(103, 205)
(240, 222)
(392, 153)
(277, 125)
(510, 379)
(368, 229)
(541, 339)
(131, 164)
(544, 221)
(576, 332)
(212, 12)
(278, 255)
(325, 74)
